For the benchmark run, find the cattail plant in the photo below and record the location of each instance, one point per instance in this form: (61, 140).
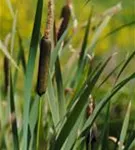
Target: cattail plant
(45, 51)
(66, 119)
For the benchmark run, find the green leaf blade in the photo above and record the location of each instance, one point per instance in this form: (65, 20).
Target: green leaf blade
(30, 70)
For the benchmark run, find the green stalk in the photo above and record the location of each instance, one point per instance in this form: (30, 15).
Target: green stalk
(39, 123)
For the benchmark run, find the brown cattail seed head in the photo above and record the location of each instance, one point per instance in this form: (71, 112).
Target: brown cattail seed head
(43, 69)
(65, 15)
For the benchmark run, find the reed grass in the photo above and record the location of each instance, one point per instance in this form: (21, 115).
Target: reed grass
(65, 113)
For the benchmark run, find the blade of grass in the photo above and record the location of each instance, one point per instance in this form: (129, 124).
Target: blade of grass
(93, 70)
(118, 29)
(33, 119)
(13, 114)
(52, 102)
(83, 75)
(110, 74)
(125, 64)
(22, 55)
(124, 127)
(30, 70)
(68, 73)
(81, 62)
(87, 2)
(85, 39)
(70, 67)
(105, 133)
(74, 133)
(132, 145)
(80, 144)
(60, 89)
(13, 33)
(130, 142)
(7, 54)
(56, 51)
(20, 58)
(39, 122)
(10, 8)
(98, 33)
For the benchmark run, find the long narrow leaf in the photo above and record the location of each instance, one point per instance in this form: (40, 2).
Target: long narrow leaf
(105, 132)
(30, 70)
(124, 127)
(60, 89)
(13, 33)
(34, 114)
(74, 133)
(109, 75)
(132, 145)
(7, 54)
(13, 113)
(125, 64)
(118, 29)
(10, 8)
(21, 53)
(85, 41)
(20, 58)
(81, 62)
(56, 50)
(98, 33)
(131, 141)
(52, 102)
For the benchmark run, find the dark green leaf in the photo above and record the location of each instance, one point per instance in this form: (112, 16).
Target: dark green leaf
(30, 70)
(13, 115)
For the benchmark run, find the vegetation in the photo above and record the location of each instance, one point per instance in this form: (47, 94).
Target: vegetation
(66, 91)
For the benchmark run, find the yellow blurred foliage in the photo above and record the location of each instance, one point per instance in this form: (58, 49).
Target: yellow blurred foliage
(126, 37)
